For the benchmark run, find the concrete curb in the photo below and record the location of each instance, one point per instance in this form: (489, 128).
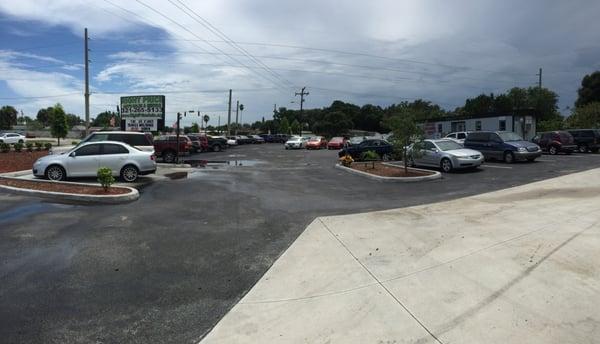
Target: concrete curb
(61, 196)
(434, 176)
(16, 174)
(162, 164)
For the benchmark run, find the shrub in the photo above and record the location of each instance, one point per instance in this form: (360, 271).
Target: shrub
(105, 177)
(47, 146)
(38, 146)
(346, 160)
(74, 143)
(18, 147)
(369, 156)
(4, 147)
(29, 146)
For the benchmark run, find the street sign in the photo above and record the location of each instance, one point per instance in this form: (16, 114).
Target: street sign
(143, 113)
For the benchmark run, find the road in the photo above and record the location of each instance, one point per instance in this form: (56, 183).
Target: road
(167, 267)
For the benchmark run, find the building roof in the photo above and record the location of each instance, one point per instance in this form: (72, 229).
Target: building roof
(455, 117)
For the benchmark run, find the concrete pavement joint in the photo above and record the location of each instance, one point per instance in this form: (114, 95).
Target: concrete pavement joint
(381, 284)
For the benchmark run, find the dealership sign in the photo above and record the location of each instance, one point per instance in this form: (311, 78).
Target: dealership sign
(143, 113)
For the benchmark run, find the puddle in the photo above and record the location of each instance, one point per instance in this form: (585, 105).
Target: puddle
(26, 210)
(216, 164)
(243, 162)
(176, 175)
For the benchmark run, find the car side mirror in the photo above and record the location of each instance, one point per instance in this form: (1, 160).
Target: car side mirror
(73, 154)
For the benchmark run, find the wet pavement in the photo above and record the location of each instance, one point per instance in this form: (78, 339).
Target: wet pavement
(167, 267)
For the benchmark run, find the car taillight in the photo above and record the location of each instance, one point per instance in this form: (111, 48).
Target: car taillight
(152, 157)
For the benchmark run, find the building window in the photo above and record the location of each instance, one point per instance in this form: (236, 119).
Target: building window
(440, 128)
(478, 125)
(502, 125)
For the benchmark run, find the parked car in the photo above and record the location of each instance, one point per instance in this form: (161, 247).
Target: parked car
(84, 160)
(446, 154)
(243, 140)
(12, 138)
(230, 141)
(458, 136)
(296, 142)
(141, 141)
(587, 140)
(216, 143)
(555, 142)
(316, 142)
(383, 148)
(502, 145)
(199, 143)
(336, 143)
(281, 138)
(257, 139)
(166, 147)
(355, 140)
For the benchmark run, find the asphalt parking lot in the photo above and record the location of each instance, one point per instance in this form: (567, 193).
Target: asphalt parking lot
(167, 267)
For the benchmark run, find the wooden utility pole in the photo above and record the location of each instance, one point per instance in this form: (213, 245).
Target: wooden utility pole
(229, 116)
(87, 83)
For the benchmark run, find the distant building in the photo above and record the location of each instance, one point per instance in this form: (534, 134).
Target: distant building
(523, 124)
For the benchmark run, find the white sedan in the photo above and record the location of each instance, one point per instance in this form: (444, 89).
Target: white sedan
(12, 138)
(85, 160)
(296, 142)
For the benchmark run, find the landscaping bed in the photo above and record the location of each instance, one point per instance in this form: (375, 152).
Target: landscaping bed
(18, 161)
(385, 170)
(78, 189)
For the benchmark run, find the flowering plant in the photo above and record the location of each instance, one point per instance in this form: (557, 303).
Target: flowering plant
(346, 160)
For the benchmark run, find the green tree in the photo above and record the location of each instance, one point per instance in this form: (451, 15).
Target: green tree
(103, 119)
(405, 130)
(295, 127)
(284, 126)
(43, 116)
(589, 90)
(195, 128)
(8, 117)
(334, 123)
(73, 120)
(586, 116)
(58, 123)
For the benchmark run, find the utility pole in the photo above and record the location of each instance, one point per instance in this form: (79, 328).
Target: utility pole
(177, 135)
(540, 79)
(237, 108)
(87, 84)
(302, 94)
(219, 125)
(229, 116)
(274, 110)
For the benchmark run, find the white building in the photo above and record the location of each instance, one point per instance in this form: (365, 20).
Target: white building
(522, 124)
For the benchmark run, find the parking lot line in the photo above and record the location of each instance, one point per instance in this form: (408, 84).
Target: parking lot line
(544, 160)
(496, 166)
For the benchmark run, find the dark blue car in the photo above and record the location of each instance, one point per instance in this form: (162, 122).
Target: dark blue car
(381, 147)
(502, 145)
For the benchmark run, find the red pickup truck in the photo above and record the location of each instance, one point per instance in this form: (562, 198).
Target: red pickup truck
(166, 147)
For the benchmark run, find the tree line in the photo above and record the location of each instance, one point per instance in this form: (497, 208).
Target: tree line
(341, 117)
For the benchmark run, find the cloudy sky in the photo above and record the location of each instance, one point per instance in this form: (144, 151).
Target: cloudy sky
(379, 51)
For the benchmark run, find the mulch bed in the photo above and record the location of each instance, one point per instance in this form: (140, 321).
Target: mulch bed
(19, 161)
(62, 187)
(386, 170)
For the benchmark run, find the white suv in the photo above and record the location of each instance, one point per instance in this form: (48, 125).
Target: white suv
(141, 141)
(458, 136)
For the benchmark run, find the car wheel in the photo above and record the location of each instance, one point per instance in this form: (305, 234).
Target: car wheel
(582, 149)
(169, 157)
(509, 157)
(446, 165)
(552, 150)
(216, 148)
(129, 173)
(56, 173)
(20, 141)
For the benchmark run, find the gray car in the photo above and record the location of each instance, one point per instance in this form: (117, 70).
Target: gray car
(446, 154)
(84, 160)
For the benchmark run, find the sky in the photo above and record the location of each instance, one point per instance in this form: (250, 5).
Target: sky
(379, 52)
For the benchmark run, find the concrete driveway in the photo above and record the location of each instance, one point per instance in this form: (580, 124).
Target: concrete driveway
(512, 266)
(168, 267)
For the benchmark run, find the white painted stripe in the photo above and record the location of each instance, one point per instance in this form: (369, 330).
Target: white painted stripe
(496, 166)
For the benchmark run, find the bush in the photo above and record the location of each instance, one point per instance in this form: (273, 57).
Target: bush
(29, 146)
(38, 146)
(346, 160)
(18, 147)
(47, 146)
(105, 177)
(74, 143)
(4, 147)
(369, 156)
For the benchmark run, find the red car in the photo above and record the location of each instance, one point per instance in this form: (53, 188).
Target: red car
(316, 142)
(336, 143)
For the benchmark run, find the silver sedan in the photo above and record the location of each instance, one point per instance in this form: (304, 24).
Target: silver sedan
(84, 160)
(445, 154)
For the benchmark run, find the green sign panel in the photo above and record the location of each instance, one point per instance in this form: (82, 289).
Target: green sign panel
(143, 106)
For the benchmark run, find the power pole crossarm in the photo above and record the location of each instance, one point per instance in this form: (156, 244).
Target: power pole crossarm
(302, 94)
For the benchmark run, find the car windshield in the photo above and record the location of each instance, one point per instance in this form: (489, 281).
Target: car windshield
(509, 136)
(314, 139)
(447, 145)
